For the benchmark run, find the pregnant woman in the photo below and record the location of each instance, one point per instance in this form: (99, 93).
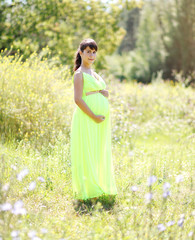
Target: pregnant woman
(91, 157)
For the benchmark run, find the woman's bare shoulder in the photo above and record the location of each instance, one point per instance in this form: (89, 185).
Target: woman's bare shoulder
(78, 74)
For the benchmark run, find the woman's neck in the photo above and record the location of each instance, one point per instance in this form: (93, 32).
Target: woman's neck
(86, 68)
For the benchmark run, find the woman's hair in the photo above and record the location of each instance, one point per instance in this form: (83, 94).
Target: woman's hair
(84, 44)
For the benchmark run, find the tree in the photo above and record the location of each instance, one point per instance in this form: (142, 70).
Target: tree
(165, 41)
(32, 25)
(176, 19)
(130, 21)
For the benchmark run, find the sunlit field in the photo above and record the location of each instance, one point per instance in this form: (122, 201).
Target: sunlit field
(153, 139)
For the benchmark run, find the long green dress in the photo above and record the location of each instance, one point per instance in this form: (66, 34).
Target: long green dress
(91, 156)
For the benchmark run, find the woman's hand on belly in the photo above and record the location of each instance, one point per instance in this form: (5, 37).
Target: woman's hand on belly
(104, 92)
(99, 118)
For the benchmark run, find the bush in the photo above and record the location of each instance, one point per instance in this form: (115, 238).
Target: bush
(34, 97)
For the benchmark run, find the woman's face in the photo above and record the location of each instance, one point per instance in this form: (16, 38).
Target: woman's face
(88, 55)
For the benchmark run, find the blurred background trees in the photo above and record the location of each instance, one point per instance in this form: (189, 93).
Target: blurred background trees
(160, 39)
(137, 40)
(32, 25)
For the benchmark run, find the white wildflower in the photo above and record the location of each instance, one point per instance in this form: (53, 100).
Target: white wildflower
(41, 179)
(161, 227)
(44, 230)
(18, 204)
(18, 208)
(5, 207)
(166, 194)
(5, 187)
(35, 238)
(32, 233)
(13, 167)
(22, 174)
(166, 186)
(134, 188)
(148, 197)
(131, 153)
(180, 222)
(170, 223)
(14, 233)
(190, 234)
(151, 180)
(32, 186)
(179, 178)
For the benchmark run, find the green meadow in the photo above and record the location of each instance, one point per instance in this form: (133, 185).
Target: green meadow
(153, 147)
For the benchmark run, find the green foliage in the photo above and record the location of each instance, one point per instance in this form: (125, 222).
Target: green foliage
(130, 22)
(176, 19)
(119, 65)
(149, 51)
(130, 66)
(148, 57)
(165, 40)
(33, 99)
(60, 25)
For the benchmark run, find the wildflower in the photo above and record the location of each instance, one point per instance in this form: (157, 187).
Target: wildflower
(161, 227)
(5, 207)
(44, 230)
(151, 180)
(22, 174)
(134, 188)
(32, 186)
(41, 179)
(148, 197)
(166, 186)
(181, 221)
(190, 234)
(131, 153)
(179, 178)
(18, 208)
(35, 238)
(170, 223)
(5, 187)
(13, 167)
(166, 194)
(32, 233)
(14, 233)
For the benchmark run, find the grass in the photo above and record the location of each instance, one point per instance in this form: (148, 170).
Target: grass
(152, 135)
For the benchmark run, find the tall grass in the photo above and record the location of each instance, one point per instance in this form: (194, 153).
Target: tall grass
(153, 154)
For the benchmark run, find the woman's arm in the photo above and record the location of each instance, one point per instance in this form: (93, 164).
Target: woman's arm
(78, 91)
(104, 92)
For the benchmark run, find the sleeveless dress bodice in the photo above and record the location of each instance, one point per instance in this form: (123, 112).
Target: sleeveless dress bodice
(96, 101)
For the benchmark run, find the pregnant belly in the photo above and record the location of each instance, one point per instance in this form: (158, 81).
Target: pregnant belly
(98, 104)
